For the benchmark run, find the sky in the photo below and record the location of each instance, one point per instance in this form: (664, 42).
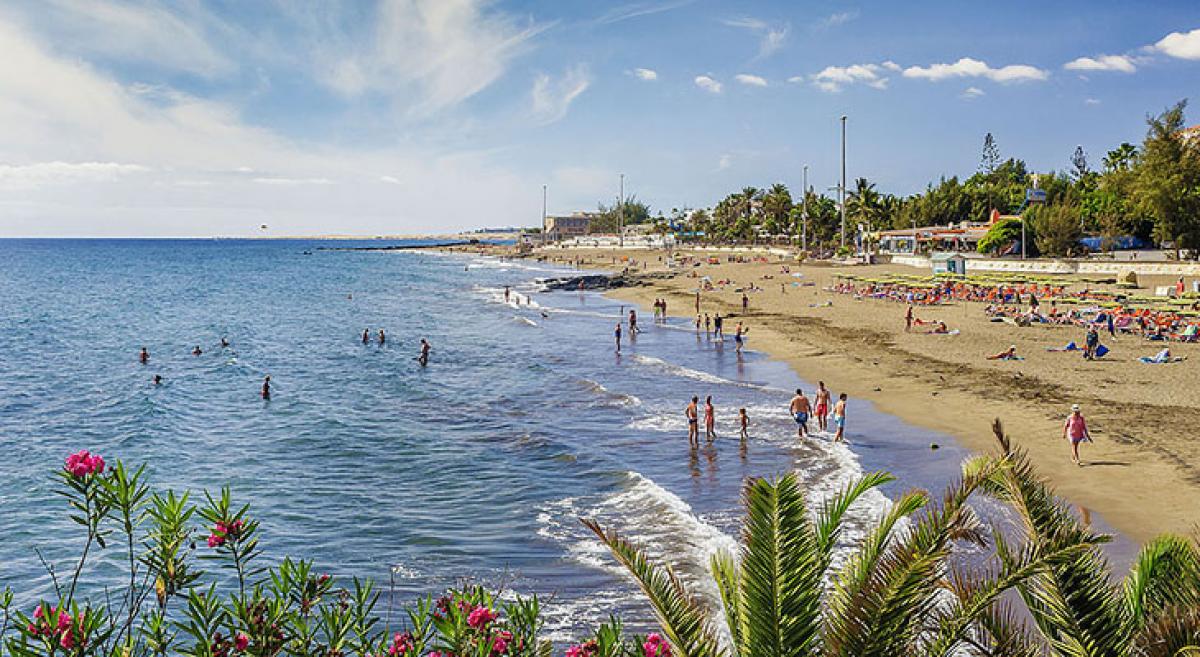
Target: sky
(126, 118)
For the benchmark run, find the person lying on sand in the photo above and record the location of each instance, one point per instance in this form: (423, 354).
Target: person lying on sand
(1007, 354)
(1161, 358)
(940, 329)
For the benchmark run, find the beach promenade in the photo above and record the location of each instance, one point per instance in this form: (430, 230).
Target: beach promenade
(1143, 471)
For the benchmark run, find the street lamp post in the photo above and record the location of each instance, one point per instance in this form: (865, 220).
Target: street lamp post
(804, 213)
(842, 191)
(543, 214)
(621, 214)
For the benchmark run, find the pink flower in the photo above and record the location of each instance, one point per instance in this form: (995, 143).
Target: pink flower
(656, 646)
(67, 641)
(241, 641)
(215, 541)
(64, 620)
(402, 643)
(37, 613)
(500, 643)
(585, 649)
(480, 617)
(81, 464)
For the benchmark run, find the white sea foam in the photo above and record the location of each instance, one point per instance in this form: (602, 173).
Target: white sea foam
(618, 398)
(652, 517)
(525, 320)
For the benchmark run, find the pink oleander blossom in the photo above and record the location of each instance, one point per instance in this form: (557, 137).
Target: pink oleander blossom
(402, 643)
(82, 463)
(656, 646)
(241, 641)
(480, 617)
(586, 649)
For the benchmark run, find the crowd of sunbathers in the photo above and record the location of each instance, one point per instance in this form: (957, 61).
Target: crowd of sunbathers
(948, 291)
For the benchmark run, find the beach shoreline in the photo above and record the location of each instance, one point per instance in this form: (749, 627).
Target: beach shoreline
(1140, 475)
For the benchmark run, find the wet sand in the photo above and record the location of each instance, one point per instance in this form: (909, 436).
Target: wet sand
(1141, 473)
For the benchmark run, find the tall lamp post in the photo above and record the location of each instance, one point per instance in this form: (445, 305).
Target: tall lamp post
(804, 213)
(621, 214)
(543, 214)
(842, 191)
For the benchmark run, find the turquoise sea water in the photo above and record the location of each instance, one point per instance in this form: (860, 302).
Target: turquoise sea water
(479, 465)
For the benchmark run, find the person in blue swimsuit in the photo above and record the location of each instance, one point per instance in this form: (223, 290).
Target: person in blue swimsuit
(800, 410)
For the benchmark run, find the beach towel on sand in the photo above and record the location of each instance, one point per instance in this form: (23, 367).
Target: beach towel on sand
(1100, 351)
(1071, 346)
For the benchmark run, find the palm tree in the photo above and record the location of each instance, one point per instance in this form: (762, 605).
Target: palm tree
(887, 600)
(1120, 158)
(862, 204)
(1074, 604)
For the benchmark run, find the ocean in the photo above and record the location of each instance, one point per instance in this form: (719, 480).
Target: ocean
(477, 467)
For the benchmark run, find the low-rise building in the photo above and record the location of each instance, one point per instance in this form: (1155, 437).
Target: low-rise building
(565, 227)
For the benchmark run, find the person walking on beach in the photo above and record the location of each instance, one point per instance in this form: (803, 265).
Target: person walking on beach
(266, 389)
(423, 359)
(707, 324)
(738, 334)
(745, 303)
(664, 310)
(1075, 429)
(697, 301)
(717, 323)
(908, 319)
(633, 327)
(839, 418)
(744, 421)
(822, 410)
(617, 335)
(697, 325)
(710, 419)
(800, 409)
(366, 336)
(693, 418)
(144, 357)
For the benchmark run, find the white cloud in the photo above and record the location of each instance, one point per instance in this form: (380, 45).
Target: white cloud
(552, 98)
(1091, 101)
(708, 84)
(639, 9)
(835, 19)
(647, 74)
(772, 37)
(1181, 45)
(891, 66)
(750, 80)
(438, 52)
(971, 93)
(1120, 63)
(40, 174)
(833, 79)
(291, 182)
(171, 164)
(177, 35)
(391, 180)
(973, 68)
(724, 162)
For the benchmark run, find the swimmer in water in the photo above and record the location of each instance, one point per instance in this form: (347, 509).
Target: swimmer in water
(224, 342)
(693, 423)
(382, 337)
(366, 336)
(197, 351)
(423, 359)
(617, 335)
(506, 294)
(144, 356)
(744, 421)
(266, 389)
(158, 379)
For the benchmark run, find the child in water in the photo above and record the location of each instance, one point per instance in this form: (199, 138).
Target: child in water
(744, 420)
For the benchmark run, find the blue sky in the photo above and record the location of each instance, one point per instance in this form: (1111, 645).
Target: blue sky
(128, 118)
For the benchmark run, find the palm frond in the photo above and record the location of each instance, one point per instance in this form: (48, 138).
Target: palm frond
(1072, 602)
(829, 518)
(1165, 574)
(727, 575)
(1174, 633)
(781, 570)
(685, 622)
(883, 616)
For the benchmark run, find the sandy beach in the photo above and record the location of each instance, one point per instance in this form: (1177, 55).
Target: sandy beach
(1141, 472)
